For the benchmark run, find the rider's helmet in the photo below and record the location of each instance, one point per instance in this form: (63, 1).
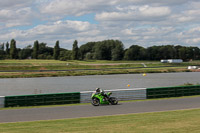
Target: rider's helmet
(97, 89)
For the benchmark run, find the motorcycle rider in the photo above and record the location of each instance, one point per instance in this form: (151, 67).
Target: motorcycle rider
(100, 91)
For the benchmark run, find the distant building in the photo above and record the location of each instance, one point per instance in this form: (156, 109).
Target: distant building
(193, 67)
(172, 61)
(164, 61)
(29, 57)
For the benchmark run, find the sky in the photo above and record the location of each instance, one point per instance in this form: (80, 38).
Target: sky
(134, 22)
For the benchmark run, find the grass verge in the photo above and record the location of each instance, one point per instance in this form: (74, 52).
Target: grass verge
(46, 68)
(182, 121)
(88, 72)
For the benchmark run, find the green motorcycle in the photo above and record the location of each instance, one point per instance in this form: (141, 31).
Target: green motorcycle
(103, 98)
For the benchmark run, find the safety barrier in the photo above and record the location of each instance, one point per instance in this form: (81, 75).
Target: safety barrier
(85, 96)
(42, 99)
(177, 91)
(2, 101)
(120, 94)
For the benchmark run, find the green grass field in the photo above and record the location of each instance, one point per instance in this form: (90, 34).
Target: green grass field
(182, 121)
(91, 67)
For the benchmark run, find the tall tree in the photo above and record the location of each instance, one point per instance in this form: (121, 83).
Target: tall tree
(65, 55)
(101, 51)
(13, 50)
(25, 53)
(196, 51)
(7, 48)
(118, 51)
(2, 52)
(182, 53)
(56, 51)
(135, 52)
(86, 50)
(2, 47)
(75, 50)
(35, 49)
(45, 52)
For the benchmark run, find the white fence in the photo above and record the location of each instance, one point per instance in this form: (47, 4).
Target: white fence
(2, 99)
(120, 94)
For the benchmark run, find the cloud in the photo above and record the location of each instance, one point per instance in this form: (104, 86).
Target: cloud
(17, 13)
(152, 22)
(153, 2)
(74, 7)
(17, 17)
(10, 4)
(190, 36)
(132, 13)
(154, 11)
(59, 30)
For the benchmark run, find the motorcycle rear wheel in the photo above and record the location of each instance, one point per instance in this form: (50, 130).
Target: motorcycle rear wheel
(95, 102)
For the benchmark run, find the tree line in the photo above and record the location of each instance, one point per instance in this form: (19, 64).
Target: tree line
(101, 50)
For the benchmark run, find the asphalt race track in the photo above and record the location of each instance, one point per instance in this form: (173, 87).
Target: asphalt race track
(64, 112)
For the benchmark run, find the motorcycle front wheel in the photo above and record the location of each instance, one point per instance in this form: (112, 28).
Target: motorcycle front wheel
(95, 102)
(113, 101)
